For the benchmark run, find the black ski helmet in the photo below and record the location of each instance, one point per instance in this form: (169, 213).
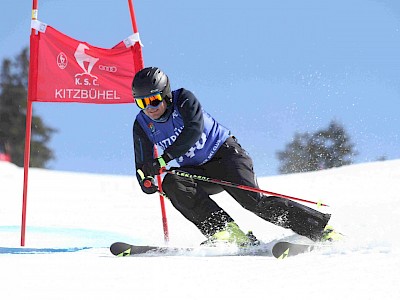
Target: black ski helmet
(149, 81)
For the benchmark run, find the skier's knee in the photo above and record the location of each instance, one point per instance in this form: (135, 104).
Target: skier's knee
(173, 184)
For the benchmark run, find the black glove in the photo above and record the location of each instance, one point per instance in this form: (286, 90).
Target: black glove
(146, 183)
(154, 167)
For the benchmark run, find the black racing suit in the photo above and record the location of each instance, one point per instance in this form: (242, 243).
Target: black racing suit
(231, 163)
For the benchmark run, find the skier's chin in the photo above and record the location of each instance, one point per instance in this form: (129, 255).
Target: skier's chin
(154, 114)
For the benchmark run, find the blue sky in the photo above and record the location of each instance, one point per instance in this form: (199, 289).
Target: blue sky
(265, 69)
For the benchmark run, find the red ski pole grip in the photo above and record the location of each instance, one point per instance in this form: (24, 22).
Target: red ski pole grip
(147, 183)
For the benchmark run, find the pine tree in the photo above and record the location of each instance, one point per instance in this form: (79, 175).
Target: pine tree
(324, 149)
(13, 95)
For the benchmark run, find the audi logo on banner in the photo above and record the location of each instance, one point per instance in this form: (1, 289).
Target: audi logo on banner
(110, 69)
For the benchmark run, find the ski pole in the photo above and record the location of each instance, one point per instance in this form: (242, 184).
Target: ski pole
(238, 186)
(163, 212)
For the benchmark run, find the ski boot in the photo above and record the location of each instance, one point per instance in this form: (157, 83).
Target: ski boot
(330, 235)
(232, 234)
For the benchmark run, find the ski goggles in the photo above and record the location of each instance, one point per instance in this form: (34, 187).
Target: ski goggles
(152, 100)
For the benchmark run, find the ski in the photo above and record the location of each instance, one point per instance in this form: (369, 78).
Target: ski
(282, 250)
(125, 249)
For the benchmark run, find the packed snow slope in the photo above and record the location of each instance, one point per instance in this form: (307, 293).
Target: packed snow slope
(67, 211)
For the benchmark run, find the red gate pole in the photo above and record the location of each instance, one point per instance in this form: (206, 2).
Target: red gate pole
(139, 66)
(32, 60)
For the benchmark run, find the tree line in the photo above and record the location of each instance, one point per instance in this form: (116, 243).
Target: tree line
(326, 148)
(13, 96)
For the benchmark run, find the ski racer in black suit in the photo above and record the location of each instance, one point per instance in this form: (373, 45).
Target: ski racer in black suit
(176, 123)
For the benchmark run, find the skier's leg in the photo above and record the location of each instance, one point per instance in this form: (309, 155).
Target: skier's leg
(195, 204)
(236, 166)
(192, 199)
(290, 214)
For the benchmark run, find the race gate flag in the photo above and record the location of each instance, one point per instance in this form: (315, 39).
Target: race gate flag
(62, 69)
(67, 70)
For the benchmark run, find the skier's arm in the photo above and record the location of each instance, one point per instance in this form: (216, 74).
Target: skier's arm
(143, 146)
(143, 154)
(192, 114)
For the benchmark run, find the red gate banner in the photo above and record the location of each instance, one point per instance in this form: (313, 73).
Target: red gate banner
(62, 69)
(68, 70)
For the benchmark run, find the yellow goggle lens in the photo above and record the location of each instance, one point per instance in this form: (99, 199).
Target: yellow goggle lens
(152, 100)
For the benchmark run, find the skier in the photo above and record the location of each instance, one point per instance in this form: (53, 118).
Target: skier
(176, 122)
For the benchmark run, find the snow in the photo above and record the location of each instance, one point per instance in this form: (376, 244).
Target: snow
(68, 210)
